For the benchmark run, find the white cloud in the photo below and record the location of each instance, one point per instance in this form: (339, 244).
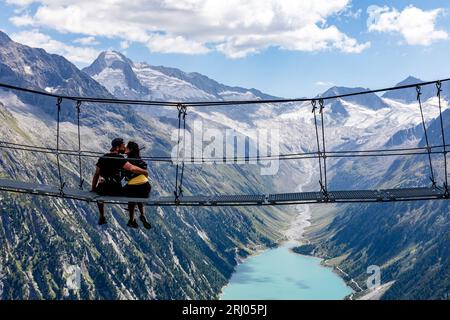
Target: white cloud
(353, 14)
(349, 13)
(324, 83)
(418, 27)
(85, 41)
(233, 27)
(174, 44)
(22, 20)
(34, 38)
(124, 44)
(20, 3)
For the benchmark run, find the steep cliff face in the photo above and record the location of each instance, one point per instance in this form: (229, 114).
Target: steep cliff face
(408, 241)
(188, 254)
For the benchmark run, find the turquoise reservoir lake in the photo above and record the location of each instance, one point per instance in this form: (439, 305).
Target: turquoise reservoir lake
(279, 273)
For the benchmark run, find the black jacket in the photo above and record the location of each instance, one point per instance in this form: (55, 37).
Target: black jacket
(138, 163)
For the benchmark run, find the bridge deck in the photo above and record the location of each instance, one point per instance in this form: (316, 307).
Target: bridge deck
(349, 196)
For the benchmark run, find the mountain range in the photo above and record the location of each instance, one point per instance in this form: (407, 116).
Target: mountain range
(189, 254)
(192, 253)
(126, 79)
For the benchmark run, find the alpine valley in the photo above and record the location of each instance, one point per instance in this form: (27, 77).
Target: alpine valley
(190, 253)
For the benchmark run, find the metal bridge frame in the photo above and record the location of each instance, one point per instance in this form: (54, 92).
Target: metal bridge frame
(346, 196)
(325, 195)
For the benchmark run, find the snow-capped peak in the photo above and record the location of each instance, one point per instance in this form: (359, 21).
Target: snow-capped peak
(127, 79)
(108, 59)
(371, 100)
(115, 72)
(111, 56)
(410, 95)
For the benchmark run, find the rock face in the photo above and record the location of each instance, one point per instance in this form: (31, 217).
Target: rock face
(408, 241)
(35, 68)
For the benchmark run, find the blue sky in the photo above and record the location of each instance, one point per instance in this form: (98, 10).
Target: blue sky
(280, 47)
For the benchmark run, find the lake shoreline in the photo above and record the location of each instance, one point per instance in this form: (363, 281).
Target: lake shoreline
(294, 236)
(303, 221)
(350, 282)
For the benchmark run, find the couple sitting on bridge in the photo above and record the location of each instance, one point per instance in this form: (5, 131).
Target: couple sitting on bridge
(112, 168)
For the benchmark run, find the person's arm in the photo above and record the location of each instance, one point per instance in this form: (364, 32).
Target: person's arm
(95, 179)
(129, 167)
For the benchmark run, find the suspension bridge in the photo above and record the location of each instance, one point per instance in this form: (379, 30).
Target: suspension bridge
(322, 195)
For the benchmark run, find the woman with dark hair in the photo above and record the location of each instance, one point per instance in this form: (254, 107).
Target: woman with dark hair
(137, 185)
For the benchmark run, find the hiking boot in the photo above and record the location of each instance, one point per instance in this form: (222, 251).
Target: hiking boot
(146, 224)
(132, 224)
(102, 220)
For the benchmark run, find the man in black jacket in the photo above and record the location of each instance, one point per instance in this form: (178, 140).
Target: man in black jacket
(107, 180)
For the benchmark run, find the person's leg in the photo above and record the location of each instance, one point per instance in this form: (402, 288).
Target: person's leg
(146, 224)
(131, 208)
(141, 208)
(101, 210)
(145, 193)
(127, 191)
(132, 222)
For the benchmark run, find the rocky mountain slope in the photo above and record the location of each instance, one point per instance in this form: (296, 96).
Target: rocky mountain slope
(188, 254)
(408, 241)
(127, 79)
(361, 235)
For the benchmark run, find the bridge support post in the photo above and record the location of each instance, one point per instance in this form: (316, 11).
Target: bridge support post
(58, 120)
(78, 106)
(320, 152)
(179, 172)
(439, 90)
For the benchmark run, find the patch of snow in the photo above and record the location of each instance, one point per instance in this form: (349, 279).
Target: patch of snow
(202, 234)
(28, 70)
(111, 56)
(164, 87)
(115, 246)
(160, 212)
(174, 256)
(111, 79)
(233, 95)
(114, 115)
(50, 89)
